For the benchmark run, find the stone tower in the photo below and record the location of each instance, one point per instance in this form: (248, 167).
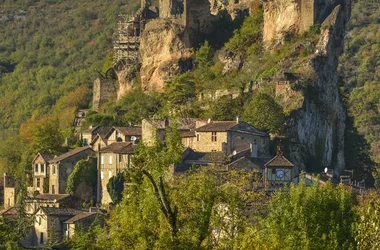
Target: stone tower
(9, 191)
(104, 89)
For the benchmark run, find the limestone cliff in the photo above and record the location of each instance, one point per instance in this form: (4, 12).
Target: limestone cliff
(317, 129)
(283, 16)
(165, 51)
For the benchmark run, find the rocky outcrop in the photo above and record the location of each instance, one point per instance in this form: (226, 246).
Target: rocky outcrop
(317, 130)
(165, 51)
(296, 16)
(235, 9)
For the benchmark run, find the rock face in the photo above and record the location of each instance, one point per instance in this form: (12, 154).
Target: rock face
(234, 8)
(317, 130)
(165, 51)
(283, 16)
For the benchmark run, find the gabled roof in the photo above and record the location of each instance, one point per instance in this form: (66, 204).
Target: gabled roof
(55, 211)
(217, 126)
(120, 148)
(70, 154)
(46, 156)
(102, 131)
(49, 197)
(182, 124)
(90, 130)
(79, 217)
(279, 161)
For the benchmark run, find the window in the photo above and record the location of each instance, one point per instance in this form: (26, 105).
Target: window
(120, 158)
(53, 169)
(213, 136)
(109, 174)
(39, 220)
(36, 168)
(38, 182)
(198, 137)
(42, 238)
(263, 141)
(101, 175)
(85, 142)
(110, 161)
(53, 189)
(42, 168)
(102, 161)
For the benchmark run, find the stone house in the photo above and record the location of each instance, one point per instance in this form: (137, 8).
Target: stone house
(152, 129)
(40, 172)
(62, 166)
(230, 137)
(50, 224)
(112, 160)
(123, 134)
(79, 222)
(89, 134)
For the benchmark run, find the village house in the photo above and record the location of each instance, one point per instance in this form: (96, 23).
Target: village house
(62, 166)
(112, 160)
(278, 171)
(124, 134)
(230, 137)
(50, 224)
(34, 202)
(152, 129)
(40, 171)
(91, 133)
(9, 191)
(80, 221)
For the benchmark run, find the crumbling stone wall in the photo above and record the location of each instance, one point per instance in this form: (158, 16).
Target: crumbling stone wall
(104, 89)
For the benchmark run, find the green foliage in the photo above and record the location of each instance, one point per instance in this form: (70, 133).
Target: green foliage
(84, 172)
(95, 119)
(265, 114)
(359, 69)
(248, 39)
(368, 236)
(115, 187)
(46, 136)
(315, 217)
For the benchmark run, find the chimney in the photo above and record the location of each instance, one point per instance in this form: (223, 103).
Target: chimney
(209, 120)
(254, 150)
(238, 119)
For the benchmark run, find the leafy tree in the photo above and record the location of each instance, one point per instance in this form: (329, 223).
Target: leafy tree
(265, 114)
(315, 217)
(115, 187)
(368, 236)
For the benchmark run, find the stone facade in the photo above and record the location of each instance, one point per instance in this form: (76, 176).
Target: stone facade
(112, 160)
(40, 170)
(103, 90)
(62, 166)
(9, 191)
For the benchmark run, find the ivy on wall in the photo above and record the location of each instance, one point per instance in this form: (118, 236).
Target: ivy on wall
(84, 171)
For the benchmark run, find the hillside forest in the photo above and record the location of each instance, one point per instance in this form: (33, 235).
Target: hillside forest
(52, 51)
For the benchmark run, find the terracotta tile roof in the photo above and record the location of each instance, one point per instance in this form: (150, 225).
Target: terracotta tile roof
(55, 211)
(217, 126)
(79, 217)
(70, 153)
(119, 148)
(279, 161)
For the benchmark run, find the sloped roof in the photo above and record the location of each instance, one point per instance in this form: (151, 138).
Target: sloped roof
(210, 157)
(79, 217)
(46, 156)
(187, 133)
(102, 131)
(183, 124)
(12, 211)
(129, 130)
(120, 148)
(70, 153)
(55, 211)
(279, 161)
(217, 126)
(90, 130)
(46, 197)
